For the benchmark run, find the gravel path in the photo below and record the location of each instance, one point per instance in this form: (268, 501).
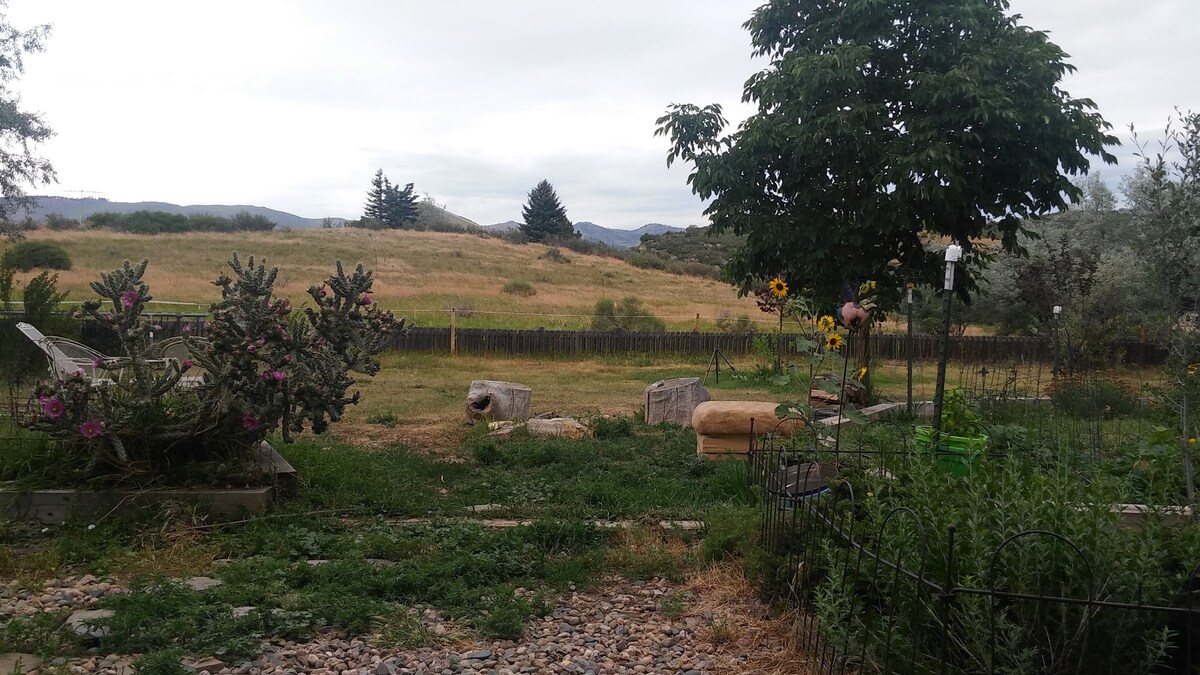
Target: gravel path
(714, 626)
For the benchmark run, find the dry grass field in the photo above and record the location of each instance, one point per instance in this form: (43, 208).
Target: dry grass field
(420, 274)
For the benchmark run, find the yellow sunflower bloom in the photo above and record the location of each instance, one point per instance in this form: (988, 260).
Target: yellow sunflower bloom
(862, 373)
(1192, 369)
(825, 324)
(778, 287)
(871, 285)
(833, 342)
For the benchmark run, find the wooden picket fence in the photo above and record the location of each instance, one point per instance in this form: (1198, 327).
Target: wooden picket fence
(968, 349)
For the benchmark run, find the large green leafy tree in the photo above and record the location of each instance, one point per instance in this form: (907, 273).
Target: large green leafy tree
(545, 217)
(19, 129)
(878, 124)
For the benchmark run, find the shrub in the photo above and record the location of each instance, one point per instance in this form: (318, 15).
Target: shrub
(57, 222)
(28, 255)
(162, 222)
(266, 370)
(553, 254)
(744, 324)
(1092, 395)
(629, 314)
(520, 288)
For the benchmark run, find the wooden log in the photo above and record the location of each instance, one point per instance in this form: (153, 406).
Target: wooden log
(674, 400)
(493, 400)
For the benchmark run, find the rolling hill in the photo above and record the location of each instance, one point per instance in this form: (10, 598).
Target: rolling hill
(421, 275)
(81, 208)
(606, 235)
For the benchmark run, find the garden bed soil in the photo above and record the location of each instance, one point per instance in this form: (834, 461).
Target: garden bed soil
(56, 506)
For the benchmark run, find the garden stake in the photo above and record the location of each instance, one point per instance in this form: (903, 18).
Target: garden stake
(953, 255)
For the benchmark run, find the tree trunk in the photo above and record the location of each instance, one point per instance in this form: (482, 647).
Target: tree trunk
(674, 400)
(492, 400)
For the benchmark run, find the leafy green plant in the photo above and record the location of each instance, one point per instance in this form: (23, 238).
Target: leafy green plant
(383, 419)
(163, 662)
(29, 255)
(959, 418)
(672, 606)
(628, 314)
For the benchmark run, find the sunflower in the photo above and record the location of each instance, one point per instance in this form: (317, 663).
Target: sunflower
(871, 285)
(862, 373)
(778, 287)
(825, 324)
(833, 342)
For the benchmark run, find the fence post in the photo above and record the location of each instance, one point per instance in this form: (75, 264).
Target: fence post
(452, 331)
(947, 598)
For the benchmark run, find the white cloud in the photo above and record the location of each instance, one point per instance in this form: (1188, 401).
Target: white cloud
(293, 105)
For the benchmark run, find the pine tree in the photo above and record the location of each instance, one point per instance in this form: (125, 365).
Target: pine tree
(376, 197)
(545, 217)
(399, 206)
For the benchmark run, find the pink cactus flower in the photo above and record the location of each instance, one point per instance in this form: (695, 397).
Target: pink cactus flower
(251, 349)
(278, 375)
(91, 428)
(365, 300)
(250, 422)
(107, 316)
(129, 298)
(187, 327)
(186, 363)
(157, 328)
(53, 408)
(98, 362)
(77, 315)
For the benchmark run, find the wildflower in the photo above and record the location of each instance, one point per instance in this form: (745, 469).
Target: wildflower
(186, 363)
(365, 300)
(825, 324)
(778, 288)
(129, 298)
(53, 408)
(862, 373)
(250, 422)
(91, 429)
(833, 342)
(278, 375)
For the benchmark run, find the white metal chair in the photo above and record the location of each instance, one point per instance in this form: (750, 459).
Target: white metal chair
(68, 358)
(176, 349)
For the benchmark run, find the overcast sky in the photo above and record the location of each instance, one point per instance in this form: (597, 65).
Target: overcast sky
(294, 104)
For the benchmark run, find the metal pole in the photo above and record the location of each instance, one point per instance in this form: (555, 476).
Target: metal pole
(953, 255)
(910, 350)
(1054, 338)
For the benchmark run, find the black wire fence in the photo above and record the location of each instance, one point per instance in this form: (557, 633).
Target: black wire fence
(884, 585)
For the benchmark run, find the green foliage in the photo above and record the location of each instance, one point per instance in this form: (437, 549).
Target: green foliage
(164, 662)
(700, 246)
(163, 222)
(19, 358)
(553, 254)
(521, 288)
(263, 371)
(36, 634)
(384, 419)
(867, 122)
(730, 532)
(57, 222)
(388, 206)
(629, 314)
(544, 215)
(959, 418)
(1092, 396)
(29, 255)
(22, 130)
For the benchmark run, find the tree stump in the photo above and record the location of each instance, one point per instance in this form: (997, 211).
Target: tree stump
(492, 400)
(674, 400)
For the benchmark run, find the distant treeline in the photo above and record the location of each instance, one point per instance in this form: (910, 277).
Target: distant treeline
(162, 222)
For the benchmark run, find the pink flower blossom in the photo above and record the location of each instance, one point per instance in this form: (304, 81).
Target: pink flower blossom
(278, 375)
(322, 293)
(157, 327)
(91, 428)
(287, 358)
(77, 315)
(98, 362)
(53, 408)
(107, 316)
(186, 363)
(129, 298)
(366, 299)
(250, 422)
(251, 349)
(187, 327)
(207, 325)
(42, 399)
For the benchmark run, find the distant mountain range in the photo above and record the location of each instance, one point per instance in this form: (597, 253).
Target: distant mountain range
(82, 208)
(73, 207)
(606, 235)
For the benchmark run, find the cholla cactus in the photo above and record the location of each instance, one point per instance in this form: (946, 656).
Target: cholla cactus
(267, 369)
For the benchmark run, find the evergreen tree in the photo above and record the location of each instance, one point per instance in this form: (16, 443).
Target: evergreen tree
(19, 129)
(399, 206)
(545, 217)
(376, 197)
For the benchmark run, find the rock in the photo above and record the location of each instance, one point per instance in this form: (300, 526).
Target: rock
(202, 583)
(558, 427)
(484, 508)
(493, 400)
(478, 655)
(15, 662)
(80, 623)
(674, 400)
(240, 612)
(198, 665)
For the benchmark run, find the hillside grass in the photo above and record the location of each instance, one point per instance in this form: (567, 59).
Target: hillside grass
(419, 274)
